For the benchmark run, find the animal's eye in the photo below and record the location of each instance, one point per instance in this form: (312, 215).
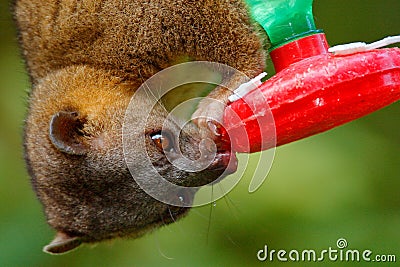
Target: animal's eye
(163, 140)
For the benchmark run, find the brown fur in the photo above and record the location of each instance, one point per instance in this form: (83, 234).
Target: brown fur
(86, 59)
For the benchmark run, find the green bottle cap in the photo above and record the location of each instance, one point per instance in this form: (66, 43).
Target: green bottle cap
(284, 20)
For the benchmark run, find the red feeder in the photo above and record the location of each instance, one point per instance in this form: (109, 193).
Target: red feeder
(313, 91)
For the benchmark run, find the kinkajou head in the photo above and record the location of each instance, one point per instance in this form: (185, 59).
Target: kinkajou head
(75, 156)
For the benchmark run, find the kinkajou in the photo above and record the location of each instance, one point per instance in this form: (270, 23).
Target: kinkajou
(85, 60)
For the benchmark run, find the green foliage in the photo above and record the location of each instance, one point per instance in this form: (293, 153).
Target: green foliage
(343, 183)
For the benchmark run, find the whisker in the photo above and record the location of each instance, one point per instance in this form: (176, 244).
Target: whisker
(171, 215)
(201, 215)
(165, 224)
(232, 207)
(159, 248)
(232, 241)
(210, 215)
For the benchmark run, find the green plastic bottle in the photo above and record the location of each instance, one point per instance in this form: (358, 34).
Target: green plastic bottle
(284, 20)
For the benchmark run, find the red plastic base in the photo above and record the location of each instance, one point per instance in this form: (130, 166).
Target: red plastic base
(295, 51)
(312, 96)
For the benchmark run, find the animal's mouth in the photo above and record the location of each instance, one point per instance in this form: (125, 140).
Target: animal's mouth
(224, 161)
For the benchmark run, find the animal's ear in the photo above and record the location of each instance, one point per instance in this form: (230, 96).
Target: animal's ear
(66, 133)
(62, 243)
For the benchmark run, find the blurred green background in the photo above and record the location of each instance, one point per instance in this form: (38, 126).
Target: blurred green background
(343, 183)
